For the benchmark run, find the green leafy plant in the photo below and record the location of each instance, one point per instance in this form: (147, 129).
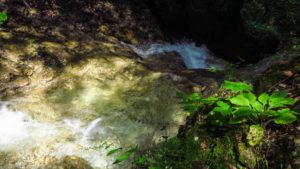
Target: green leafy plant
(194, 101)
(3, 17)
(245, 106)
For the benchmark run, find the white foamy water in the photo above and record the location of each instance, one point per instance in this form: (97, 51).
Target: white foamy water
(35, 141)
(194, 57)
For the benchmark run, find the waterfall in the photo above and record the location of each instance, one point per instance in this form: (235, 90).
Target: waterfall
(193, 56)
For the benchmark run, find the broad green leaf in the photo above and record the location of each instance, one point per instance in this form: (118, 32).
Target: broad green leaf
(223, 108)
(243, 111)
(240, 115)
(111, 152)
(280, 94)
(251, 97)
(280, 102)
(263, 98)
(285, 111)
(196, 97)
(240, 100)
(210, 100)
(257, 106)
(286, 118)
(223, 105)
(270, 113)
(237, 86)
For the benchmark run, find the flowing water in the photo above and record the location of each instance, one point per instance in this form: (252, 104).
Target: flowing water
(194, 57)
(77, 112)
(88, 109)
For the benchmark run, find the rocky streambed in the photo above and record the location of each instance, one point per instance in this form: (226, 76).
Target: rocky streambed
(67, 102)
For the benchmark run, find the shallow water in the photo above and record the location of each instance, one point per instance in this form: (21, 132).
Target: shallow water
(102, 102)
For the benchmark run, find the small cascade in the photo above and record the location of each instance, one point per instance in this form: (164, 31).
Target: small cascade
(193, 56)
(92, 129)
(37, 141)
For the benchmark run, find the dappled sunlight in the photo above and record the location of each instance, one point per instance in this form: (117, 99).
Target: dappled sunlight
(112, 99)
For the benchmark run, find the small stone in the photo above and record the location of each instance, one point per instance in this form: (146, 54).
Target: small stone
(21, 82)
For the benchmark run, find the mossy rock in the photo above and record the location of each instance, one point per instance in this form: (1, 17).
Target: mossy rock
(71, 162)
(255, 135)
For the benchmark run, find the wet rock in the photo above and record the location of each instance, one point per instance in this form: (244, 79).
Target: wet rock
(20, 82)
(170, 62)
(72, 162)
(5, 35)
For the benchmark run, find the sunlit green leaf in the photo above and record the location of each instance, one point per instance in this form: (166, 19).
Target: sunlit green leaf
(287, 118)
(210, 100)
(263, 98)
(240, 100)
(237, 86)
(223, 108)
(286, 111)
(223, 104)
(250, 96)
(280, 102)
(257, 106)
(243, 111)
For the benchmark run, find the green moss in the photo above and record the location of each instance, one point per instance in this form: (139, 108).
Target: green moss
(246, 156)
(255, 135)
(198, 148)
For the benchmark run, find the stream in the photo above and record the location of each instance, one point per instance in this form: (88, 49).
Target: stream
(92, 107)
